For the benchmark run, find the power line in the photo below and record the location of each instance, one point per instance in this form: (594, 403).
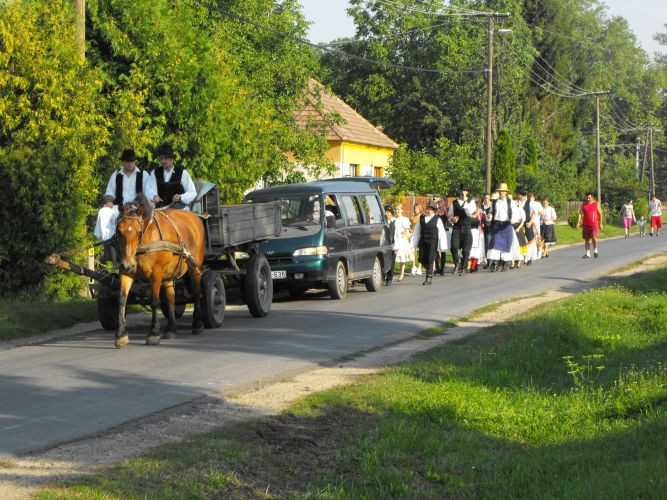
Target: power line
(243, 19)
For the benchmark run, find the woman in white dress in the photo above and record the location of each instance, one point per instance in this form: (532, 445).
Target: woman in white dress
(402, 245)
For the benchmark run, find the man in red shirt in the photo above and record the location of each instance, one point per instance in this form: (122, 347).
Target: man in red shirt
(592, 222)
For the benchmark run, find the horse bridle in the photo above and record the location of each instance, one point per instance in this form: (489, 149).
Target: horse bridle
(137, 218)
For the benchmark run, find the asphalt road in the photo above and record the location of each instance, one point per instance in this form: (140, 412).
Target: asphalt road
(77, 386)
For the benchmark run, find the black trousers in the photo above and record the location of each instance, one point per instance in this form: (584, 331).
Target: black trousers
(428, 252)
(440, 261)
(461, 242)
(390, 274)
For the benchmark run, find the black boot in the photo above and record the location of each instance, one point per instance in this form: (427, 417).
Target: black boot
(504, 266)
(494, 266)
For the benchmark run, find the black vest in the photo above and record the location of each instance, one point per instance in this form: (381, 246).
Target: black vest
(526, 209)
(167, 190)
(139, 186)
(392, 230)
(464, 220)
(509, 208)
(429, 230)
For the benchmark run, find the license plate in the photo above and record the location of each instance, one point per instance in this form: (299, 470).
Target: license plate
(278, 275)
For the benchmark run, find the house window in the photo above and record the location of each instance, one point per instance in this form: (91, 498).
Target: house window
(378, 171)
(355, 170)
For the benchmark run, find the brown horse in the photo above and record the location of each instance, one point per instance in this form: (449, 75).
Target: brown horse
(160, 246)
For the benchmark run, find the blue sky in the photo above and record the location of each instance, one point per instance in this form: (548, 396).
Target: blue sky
(645, 17)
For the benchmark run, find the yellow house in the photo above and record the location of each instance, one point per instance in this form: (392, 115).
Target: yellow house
(356, 147)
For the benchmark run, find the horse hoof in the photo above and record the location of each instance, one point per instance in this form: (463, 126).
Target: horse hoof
(122, 341)
(197, 330)
(168, 335)
(153, 340)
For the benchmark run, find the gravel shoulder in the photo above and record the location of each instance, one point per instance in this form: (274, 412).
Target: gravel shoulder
(21, 477)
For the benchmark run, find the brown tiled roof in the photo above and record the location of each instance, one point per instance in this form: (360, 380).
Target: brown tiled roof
(353, 128)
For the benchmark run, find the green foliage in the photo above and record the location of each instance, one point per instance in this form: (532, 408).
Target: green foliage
(504, 162)
(573, 219)
(53, 132)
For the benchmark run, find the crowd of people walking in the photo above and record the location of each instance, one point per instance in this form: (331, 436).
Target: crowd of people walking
(498, 232)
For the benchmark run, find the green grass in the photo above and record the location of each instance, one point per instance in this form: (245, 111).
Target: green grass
(566, 234)
(569, 401)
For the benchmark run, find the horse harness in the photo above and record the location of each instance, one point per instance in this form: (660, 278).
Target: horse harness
(160, 246)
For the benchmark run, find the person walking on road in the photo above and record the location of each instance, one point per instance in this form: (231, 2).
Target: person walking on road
(502, 232)
(590, 221)
(655, 209)
(548, 229)
(429, 236)
(628, 214)
(402, 248)
(389, 275)
(414, 220)
(461, 213)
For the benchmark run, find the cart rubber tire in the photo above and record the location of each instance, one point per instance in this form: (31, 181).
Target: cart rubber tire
(258, 286)
(107, 312)
(212, 299)
(374, 283)
(338, 285)
(179, 309)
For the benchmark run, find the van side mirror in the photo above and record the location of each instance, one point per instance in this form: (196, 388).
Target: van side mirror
(331, 221)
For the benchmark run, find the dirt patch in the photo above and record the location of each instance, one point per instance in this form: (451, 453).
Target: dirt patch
(19, 478)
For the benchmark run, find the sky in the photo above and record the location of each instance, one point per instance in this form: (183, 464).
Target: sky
(645, 18)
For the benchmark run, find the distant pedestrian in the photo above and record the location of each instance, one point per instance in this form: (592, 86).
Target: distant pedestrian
(502, 232)
(628, 214)
(461, 213)
(389, 276)
(402, 249)
(414, 220)
(548, 226)
(590, 221)
(641, 223)
(655, 209)
(429, 236)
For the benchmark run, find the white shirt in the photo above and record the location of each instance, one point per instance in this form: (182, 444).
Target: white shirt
(186, 181)
(655, 207)
(518, 213)
(536, 206)
(442, 235)
(469, 207)
(129, 185)
(550, 216)
(501, 210)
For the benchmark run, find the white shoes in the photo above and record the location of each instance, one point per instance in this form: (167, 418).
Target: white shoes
(413, 271)
(419, 272)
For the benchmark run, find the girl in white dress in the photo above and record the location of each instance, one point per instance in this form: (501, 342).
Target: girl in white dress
(402, 240)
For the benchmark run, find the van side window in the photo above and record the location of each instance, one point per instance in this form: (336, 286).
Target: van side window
(372, 209)
(331, 208)
(352, 209)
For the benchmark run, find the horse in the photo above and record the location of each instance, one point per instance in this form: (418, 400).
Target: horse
(160, 246)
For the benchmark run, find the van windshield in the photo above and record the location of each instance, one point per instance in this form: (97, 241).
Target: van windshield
(301, 210)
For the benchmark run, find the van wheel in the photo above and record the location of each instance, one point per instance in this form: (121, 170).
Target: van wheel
(374, 283)
(338, 285)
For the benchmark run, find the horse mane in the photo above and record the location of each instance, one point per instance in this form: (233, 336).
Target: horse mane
(132, 207)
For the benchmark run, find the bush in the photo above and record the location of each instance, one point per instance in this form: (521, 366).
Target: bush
(573, 219)
(52, 132)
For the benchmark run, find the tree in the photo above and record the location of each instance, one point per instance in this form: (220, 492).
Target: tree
(504, 161)
(53, 130)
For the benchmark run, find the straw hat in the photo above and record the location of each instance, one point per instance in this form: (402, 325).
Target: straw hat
(502, 187)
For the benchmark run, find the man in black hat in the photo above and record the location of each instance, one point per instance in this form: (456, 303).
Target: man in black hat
(172, 186)
(124, 186)
(429, 237)
(461, 213)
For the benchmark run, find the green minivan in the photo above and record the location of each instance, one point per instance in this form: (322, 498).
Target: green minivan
(334, 232)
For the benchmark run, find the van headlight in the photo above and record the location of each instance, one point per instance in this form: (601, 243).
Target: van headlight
(310, 251)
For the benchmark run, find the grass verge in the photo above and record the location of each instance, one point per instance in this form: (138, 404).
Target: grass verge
(568, 401)
(566, 234)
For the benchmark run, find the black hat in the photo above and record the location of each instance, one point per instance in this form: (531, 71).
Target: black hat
(390, 209)
(165, 151)
(432, 205)
(128, 155)
(464, 187)
(521, 191)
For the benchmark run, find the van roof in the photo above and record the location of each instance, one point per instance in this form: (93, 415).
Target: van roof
(323, 186)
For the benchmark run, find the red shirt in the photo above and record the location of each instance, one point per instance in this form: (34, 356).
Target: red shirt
(591, 217)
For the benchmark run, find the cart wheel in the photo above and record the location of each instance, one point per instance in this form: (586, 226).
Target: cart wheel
(212, 299)
(374, 283)
(258, 286)
(179, 309)
(107, 312)
(338, 285)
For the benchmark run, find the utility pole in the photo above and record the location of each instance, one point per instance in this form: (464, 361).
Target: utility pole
(490, 16)
(80, 9)
(650, 132)
(639, 145)
(641, 174)
(597, 139)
